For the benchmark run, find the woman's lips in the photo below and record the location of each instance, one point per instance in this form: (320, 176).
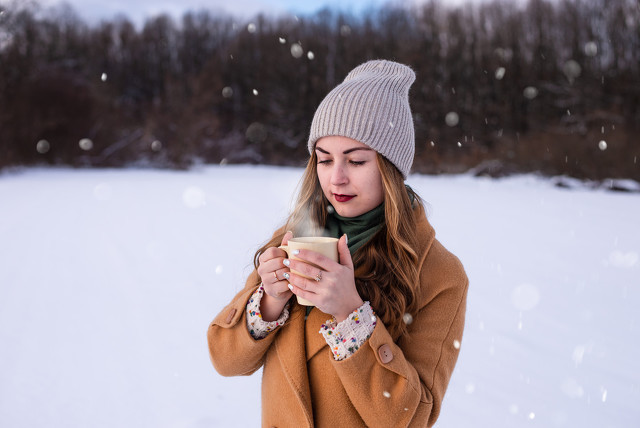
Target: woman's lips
(343, 198)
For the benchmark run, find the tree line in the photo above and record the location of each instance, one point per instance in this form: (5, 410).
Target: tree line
(548, 86)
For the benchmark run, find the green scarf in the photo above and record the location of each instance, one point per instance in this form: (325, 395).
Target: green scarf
(359, 229)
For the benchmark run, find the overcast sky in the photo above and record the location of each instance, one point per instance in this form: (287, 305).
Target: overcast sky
(139, 10)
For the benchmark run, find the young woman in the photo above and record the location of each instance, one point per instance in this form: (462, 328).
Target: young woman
(379, 345)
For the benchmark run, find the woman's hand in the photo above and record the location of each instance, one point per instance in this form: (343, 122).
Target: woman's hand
(333, 289)
(271, 270)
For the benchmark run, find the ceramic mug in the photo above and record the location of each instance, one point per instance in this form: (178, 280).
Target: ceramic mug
(326, 246)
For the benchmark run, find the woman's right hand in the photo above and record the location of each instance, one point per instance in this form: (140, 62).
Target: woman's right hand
(271, 271)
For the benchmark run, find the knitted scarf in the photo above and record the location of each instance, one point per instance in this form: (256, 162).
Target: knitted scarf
(359, 229)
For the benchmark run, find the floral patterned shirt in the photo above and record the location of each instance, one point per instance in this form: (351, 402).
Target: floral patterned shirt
(344, 338)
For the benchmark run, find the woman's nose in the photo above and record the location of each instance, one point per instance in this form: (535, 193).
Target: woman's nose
(338, 175)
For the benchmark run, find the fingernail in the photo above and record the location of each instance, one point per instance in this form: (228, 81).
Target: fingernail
(346, 239)
(286, 275)
(296, 252)
(290, 287)
(286, 262)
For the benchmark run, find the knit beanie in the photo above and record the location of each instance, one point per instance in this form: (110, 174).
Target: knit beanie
(372, 107)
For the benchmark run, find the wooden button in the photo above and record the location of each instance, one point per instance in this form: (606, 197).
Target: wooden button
(232, 312)
(385, 353)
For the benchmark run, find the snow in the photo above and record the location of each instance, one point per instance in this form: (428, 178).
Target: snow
(109, 278)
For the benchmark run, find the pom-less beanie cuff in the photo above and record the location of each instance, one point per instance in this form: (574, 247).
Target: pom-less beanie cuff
(371, 105)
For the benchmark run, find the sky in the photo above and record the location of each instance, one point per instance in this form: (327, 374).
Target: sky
(139, 10)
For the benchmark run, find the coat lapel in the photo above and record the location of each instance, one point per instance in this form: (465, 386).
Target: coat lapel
(290, 348)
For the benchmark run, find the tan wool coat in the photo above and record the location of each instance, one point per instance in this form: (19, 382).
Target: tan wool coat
(384, 384)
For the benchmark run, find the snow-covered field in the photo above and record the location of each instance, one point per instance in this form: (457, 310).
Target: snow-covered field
(109, 278)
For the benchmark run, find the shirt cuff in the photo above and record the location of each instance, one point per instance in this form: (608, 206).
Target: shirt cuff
(346, 337)
(258, 328)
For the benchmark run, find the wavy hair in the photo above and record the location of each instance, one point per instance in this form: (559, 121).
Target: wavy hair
(386, 268)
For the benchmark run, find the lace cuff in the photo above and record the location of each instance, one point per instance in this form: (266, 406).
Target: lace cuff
(346, 337)
(258, 328)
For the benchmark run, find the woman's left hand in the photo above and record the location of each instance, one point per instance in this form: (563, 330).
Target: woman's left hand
(333, 289)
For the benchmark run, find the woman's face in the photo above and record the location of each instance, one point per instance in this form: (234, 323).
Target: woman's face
(349, 175)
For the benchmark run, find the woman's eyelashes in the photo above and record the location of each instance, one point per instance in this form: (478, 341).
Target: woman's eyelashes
(352, 162)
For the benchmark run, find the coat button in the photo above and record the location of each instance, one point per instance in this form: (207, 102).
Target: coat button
(385, 353)
(232, 312)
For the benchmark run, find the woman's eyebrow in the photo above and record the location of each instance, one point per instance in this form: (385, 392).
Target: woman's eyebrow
(346, 152)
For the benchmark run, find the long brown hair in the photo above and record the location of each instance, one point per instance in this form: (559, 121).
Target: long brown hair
(386, 270)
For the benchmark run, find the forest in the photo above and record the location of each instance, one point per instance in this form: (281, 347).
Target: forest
(551, 87)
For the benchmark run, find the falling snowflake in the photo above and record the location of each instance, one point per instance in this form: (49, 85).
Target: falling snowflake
(525, 297)
(86, 144)
(156, 145)
(102, 192)
(452, 118)
(530, 92)
(296, 50)
(572, 388)
(572, 70)
(194, 197)
(43, 146)
(590, 49)
(623, 260)
(227, 92)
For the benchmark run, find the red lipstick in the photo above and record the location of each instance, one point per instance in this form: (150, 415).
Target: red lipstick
(343, 198)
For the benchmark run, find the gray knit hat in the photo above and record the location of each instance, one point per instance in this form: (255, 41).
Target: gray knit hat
(371, 106)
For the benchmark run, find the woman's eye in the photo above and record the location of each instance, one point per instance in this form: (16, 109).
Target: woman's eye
(324, 162)
(358, 163)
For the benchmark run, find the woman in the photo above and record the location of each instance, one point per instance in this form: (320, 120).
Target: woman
(380, 343)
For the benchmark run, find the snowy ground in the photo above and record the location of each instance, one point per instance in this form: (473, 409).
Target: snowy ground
(109, 278)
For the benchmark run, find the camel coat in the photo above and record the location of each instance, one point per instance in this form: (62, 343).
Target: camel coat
(384, 384)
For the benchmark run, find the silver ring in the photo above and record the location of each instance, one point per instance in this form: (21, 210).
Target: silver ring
(318, 276)
(276, 276)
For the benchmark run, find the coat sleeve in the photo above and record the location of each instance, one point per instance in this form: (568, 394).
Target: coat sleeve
(403, 383)
(232, 349)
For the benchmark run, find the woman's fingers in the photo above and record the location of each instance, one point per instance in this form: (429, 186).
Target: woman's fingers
(272, 269)
(286, 237)
(343, 252)
(305, 269)
(304, 294)
(302, 282)
(271, 253)
(313, 257)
